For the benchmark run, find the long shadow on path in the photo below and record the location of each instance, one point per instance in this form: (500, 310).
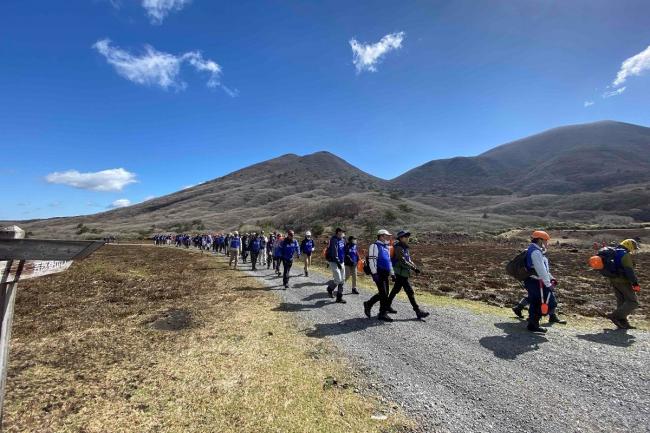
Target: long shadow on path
(293, 307)
(612, 337)
(321, 330)
(516, 341)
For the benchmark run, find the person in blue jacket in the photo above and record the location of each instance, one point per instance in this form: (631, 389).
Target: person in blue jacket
(381, 269)
(255, 245)
(234, 247)
(351, 260)
(307, 247)
(289, 248)
(277, 254)
(335, 256)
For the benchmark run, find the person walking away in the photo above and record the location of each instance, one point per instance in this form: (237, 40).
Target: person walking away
(244, 247)
(335, 256)
(381, 270)
(255, 247)
(277, 254)
(351, 259)
(625, 284)
(307, 248)
(403, 266)
(269, 251)
(290, 248)
(262, 253)
(234, 249)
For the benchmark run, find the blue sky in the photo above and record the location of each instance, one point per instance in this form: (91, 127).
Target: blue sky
(228, 84)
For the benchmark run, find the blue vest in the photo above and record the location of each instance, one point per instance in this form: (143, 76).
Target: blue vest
(383, 257)
(353, 253)
(235, 242)
(308, 246)
(255, 245)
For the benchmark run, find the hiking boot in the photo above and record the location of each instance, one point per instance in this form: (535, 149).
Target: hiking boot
(421, 314)
(536, 328)
(619, 324)
(367, 310)
(384, 317)
(340, 300)
(330, 291)
(554, 319)
(355, 291)
(627, 324)
(391, 310)
(286, 286)
(518, 311)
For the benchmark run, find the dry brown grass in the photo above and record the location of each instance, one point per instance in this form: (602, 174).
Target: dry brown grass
(87, 357)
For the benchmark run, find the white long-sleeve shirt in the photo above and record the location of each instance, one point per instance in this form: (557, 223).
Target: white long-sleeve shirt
(540, 264)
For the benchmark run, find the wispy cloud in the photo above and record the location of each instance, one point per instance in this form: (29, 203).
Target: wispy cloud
(610, 93)
(633, 66)
(122, 202)
(157, 68)
(106, 180)
(157, 10)
(588, 103)
(366, 56)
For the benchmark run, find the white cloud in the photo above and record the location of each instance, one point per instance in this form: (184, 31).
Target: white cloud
(106, 180)
(633, 66)
(616, 92)
(157, 10)
(158, 68)
(122, 202)
(366, 56)
(588, 103)
(149, 197)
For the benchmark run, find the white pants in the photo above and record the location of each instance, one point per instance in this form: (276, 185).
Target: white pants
(338, 275)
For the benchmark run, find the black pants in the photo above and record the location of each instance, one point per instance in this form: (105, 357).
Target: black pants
(276, 263)
(382, 291)
(254, 259)
(403, 283)
(286, 265)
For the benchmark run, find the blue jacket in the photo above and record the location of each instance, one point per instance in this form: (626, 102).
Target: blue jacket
(336, 250)
(235, 242)
(289, 249)
(307, 246)
(351, 254)
(255, 245)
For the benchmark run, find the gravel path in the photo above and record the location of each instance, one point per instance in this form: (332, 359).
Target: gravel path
(464, 372)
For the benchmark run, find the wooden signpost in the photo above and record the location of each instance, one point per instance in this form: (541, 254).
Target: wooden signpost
(21, 259)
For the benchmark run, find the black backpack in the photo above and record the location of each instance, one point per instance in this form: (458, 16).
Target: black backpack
(610, 269)
(517, 268)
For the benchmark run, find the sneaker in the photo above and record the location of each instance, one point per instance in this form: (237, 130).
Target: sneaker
(536, 329)
(340, 300)
(627, 324)
(391, 310)
(518, 311)
(619, 324)
(367, 310)
(421, 314)
(355, 291)
(554, 319)
(306, 273)
(385, 317)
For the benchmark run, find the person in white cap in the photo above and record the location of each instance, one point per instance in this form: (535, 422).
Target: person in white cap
(307, 248)
(234, 249)
(381, 269)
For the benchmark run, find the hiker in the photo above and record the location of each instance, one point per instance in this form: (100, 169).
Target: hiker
(624, 284)
(307, 248)
(403, 265)
(269, 250)
(289, 248)
(335, 256)
(244, 247)
(255, 246)
(351, 260)
(381, 270)
(233, 249)
(262, 252)
(540, 284)
(277, 254)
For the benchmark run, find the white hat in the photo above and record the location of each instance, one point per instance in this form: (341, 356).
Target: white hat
(236, 233)
(307, 233)
(383, 232)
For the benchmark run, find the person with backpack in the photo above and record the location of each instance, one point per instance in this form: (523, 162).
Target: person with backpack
(289, 248)
(255, 245)
(277, 254)
(540, 284)
(233, 249)
(403, 266)
(307, 248)
(625, 283)
(351, 260)
(335, 256)
(381, 268)
(269, 250)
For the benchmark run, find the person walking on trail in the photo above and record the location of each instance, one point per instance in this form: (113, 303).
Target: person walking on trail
(624, 284)
(244, 247)
(540, 284)
(277, 254)
(403, 266)
(381, 270)
(234, 248)
(269, 250)
(307, 248)
(335, 256)
(262, 252)
(255, 245)
(289, 249)
(351, 260)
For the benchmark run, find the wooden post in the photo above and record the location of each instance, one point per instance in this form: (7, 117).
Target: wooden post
(7, 301)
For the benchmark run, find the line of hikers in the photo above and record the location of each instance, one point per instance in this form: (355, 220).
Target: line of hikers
(388, 262)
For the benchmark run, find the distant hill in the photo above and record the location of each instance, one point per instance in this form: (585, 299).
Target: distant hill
(596, 173)
(569, 159)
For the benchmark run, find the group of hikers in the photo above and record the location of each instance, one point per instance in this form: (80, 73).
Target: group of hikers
(390, 262)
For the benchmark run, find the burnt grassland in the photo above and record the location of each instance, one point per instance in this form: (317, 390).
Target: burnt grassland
(143, 339)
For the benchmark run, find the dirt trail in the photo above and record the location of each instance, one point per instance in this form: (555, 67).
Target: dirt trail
(463, 372)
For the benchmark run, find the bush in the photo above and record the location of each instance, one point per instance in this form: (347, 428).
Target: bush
(405, 208)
